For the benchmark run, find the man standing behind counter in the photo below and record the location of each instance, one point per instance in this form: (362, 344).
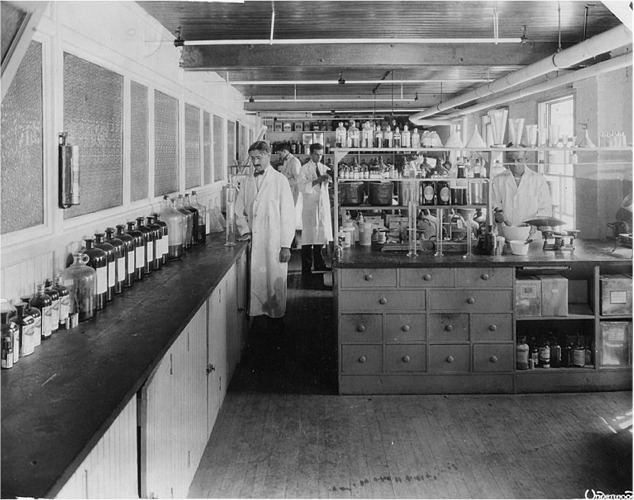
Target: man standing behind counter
(519, 194)
(265, 214)
(291, 167)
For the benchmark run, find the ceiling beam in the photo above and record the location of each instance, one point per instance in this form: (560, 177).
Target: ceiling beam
(227, 58)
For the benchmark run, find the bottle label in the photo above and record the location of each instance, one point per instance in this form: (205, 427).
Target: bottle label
(164, 245)
(150, 251)
(428, 194)
(121, 271)
(47, 321)
(131, 262)
(28, 340)
(102, 279)
(579, 356)
(16, 345)
(64, 308)
(444, 194)
(112, 270)
(37, 331)
(140, 256)
(55, 314)
(544, 357)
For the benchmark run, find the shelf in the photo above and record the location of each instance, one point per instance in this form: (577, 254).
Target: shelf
(483, 150)
(474, 180)
(402, 207)
(620, 317)
(557, 370)
(575, 311)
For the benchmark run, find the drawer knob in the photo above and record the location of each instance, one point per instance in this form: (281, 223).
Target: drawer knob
(383, 300)
(493, 328)
(470, 300)
(362, 359)
(427, 277)
(406, 359)
(368, 277)
(450, 359)
(485, 276)
(405, 328)
(449, 328)
(361, 328)
(493, 359)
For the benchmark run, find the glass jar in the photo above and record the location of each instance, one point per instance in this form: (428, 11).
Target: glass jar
(44, 303)
(54, 295)
(202, 218)
(120, 257)
(130, 260)
(37, 316)
(81, 281)
(189, 221)
(148, 236)
(111, 264)
(139, 250)
(164, 238)
(98, 260)
(157, 232)
(175, 222)
(26, 332)
(187, 203)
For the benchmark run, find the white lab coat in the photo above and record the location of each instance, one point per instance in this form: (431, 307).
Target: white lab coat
(316, 220)
(268, 214)
(530, 200)
(291, 168)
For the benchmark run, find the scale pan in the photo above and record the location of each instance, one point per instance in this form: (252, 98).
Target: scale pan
(546, 221)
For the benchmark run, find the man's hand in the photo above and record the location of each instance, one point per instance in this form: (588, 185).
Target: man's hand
(499, 217)
(245, 237)
(285, 254)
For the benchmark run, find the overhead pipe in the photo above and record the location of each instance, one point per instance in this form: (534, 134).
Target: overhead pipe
(619, 62)
(598, 44)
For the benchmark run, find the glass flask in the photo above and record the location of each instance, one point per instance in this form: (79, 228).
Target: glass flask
(44, 303)
(202, 218)
(148, 236)
(130, 260)
(175, 222)
(81, 281)
(9, 333)
(120, 258)
(139, 250)
(157, 232)
(111, 264)
(37, 316)
(64, 302)
(98, 260)
(187, 203)
(54, 295)
(189, 220)
(26, 332)
(164, 236)
(231, 193)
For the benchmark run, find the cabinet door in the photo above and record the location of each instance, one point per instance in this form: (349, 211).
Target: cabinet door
(233, 335)
(216, 354)
(491, 327)
(361, 328)
(427, 277)
(402, 358)
(449, 358)
(405, 328)
(493, 357)
(449, 327)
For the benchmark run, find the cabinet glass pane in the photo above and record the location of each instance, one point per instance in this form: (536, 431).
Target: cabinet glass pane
(218, 140)
(139, 141)
(165, 144)
(192, 146)
(207, 147)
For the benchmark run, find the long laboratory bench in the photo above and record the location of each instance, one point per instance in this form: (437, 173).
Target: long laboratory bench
(430, 324)
(123, 405)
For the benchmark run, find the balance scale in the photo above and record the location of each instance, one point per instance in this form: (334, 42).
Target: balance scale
(555, 240)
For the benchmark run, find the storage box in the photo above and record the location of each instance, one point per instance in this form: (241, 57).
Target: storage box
(616, 294)
(528, 296)
(554, 295)
(616, 343)
(288, 127)
(278, 127)
(299, 126)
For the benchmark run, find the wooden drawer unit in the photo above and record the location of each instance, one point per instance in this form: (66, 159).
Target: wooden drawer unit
(361, 328)
(449, 327)
(359, 359)
(493, 357)
(405, 328)
(484, 277)
(382, 300)
(484, 301)
(429, 278)
(449, 358)
(404, 358)
(368, 278)
(495, 327)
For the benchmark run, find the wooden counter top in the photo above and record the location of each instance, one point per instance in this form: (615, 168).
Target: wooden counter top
(585, 251)
(59, 401)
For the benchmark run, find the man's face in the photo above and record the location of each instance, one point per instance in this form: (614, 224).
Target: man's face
(259, 159)
(517, 162)
(316, 155)
(284, 153)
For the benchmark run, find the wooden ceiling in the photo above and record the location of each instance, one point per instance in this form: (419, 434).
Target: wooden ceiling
(379, 75)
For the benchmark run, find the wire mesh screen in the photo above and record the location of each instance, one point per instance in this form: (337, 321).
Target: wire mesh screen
(192, 146)
(22, 177)
(139, 141)
(165, 144)
(207, 146)
(244, 144)
(12, 19)
(219, 152)
(93, 118)
(231, 142)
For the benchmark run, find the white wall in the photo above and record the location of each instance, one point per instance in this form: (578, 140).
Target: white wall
(121, 37)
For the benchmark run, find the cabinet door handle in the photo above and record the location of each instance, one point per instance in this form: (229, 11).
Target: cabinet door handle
(406, 359)
(383, 300)
(405, 328)
(493, 359)
(361, 328)
(427, 277)
(450, 359)
(449, 328)
(362, 359)
(368, 277)
(470, 300)
(493, 328)
(210, 368)
(485, 276)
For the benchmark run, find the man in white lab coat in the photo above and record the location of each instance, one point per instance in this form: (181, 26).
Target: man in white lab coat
(291, 167)
(316, 221)
(265, 215)
(519, 194)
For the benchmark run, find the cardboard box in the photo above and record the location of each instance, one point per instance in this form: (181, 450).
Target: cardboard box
(278, 127)
(528, 296)
(299, 126)
(616, 294)
(288, 127)
(554, 295)
(616, 341)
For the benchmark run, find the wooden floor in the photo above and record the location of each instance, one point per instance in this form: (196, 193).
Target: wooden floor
(284, 433)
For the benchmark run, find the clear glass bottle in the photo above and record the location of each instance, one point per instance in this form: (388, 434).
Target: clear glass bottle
(396, 138)
(522, 353)
(164, 241)
(9, 333)
(26, 332)
(130, 259)
(37, 317)
(202, 218)
(555, 352)
(544, 354)
(378, 136)
(387, 137)
(44, 303)
(353, 135)
(120, 258)
(406, 137)
(98, 260)
(579, 353)
(189, 221)
(187, 203)
(139, 250)
(175, 222)
(64, 302)
(148, 236)
(157, 231)
(111, 264)
(81, 281)
(415, 138)
(231, 193)
(340, 136)
(54, 295)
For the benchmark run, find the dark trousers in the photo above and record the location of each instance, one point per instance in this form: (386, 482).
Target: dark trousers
(312, 254)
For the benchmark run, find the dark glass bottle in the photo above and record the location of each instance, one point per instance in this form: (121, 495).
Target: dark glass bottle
(54, 295)
(579, 353)
(111, 266)
(44, 303)
(10, 333)
(187, 227)
(202, 217)
(130, 260)
(544, 354)
(64, 302)
(188, 205)
(428, 193)
(555, 353)
(534, 356)
(120, 258)
(148, 236)
(98, 260)
(37, 317)
(164, 237)
(567, 355)
(139, 250)
(443, 193)
(26, 328)
(157, 231)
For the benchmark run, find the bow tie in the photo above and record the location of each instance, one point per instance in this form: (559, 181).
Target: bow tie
(258, 172)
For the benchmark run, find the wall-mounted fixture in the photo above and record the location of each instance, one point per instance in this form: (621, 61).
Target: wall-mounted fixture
(68, 173)
(341, 81)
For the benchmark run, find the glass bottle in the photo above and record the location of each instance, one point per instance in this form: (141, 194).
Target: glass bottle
(9, 333)
(415, 138)
(120, 257)
(81, 281)
(157, 231)
(148, 236)
(522, 352)
(164, 241)
(202, 217)
(387, 137)
(139, 250)
(187, 227)
(44, 303)
(175, 222)
(555, 353)
(64, 302)
(567, 355)
(99, 262)
(26, 332)
(54, 295)
(353, 135)
(111, 264)
(443, 192)
(396, 138)
(378, 136)
(187, 203)
(37, 317)
(544, 354)
(231, 192)
(579, 353)
(534, 355)
(130, 259)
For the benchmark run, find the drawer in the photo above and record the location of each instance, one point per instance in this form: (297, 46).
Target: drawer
(485, 277)
(449, 327)
(368, 278)
(449, 358)
(427, 277)
(493, 357)
(405, 327)
(404, 358)
(489, 301)
(381, 300)
(491, 327)
(361, 359)
(361, 328)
